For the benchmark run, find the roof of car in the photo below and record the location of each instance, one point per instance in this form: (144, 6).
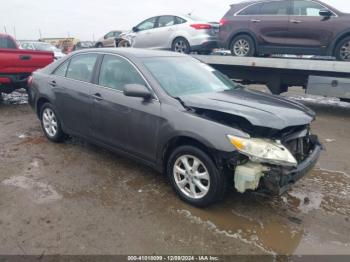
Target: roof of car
(135, 52)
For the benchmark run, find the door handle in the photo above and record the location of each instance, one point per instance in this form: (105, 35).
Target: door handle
(170, 29)
(255, 20)
(295, 21)
(25, 57)
(53, 83)
(97, 97)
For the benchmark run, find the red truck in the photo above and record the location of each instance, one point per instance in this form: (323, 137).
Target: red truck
(16, 65)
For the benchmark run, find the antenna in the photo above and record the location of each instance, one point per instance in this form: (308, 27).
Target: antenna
(190, 13)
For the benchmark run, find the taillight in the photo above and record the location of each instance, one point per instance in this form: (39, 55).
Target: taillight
(30, 81)
(223, 22)
(201, 26)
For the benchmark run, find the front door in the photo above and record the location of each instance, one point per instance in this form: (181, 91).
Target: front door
(126, 123)
(307, 28)
(143, 37)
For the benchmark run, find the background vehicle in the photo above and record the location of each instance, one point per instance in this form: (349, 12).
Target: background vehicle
(109, 39)
(83, 45)
(301, 27)
(41, 46)
(16, 64)
(179, 33)
(190, 121)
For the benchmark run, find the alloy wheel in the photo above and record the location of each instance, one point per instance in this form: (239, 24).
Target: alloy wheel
(50, 122)
(191, 176)
(180, 46)
(241, 47)
(345, 51)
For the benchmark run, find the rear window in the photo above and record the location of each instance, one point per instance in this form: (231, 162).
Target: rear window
(6, 42)
(251, 10)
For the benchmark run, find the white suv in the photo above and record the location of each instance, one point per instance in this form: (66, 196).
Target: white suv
(180, 33)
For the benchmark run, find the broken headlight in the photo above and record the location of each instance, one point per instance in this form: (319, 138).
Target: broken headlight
(263, 150)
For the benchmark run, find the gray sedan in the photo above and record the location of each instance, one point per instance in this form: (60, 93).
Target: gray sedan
(179, 116)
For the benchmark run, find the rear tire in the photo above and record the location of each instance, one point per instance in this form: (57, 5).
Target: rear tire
(198, 183)
(342, 50)
(243, 46)
(51, 124)
(181, 45)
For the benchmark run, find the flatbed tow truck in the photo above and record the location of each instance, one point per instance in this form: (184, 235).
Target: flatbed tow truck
(318, 77)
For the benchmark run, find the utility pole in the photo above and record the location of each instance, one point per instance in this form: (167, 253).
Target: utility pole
(14, 32)
(40, 35)
(5, 29)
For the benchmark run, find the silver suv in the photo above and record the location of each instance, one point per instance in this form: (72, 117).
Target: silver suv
(179, 33)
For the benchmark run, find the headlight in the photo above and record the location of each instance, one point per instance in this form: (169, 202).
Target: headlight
(263, 150)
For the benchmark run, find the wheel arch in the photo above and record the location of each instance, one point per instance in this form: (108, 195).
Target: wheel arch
(341, 36)
(39, 104)
(183, 140)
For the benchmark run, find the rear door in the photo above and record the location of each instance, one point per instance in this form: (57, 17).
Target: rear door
(126, 123)
(166, 27)
(71, 83)
(307, 28)
(269, 22)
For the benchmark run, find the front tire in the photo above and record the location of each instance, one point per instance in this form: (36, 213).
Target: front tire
(51, 124)
(124, 43)
(242, 46)
(342, 50)
(181, 45)
(194, 176)
(99, 45)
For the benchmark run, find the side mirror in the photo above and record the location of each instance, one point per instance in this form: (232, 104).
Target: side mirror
(136, 90)
(326, 13)
(105, 37)
(135, 29)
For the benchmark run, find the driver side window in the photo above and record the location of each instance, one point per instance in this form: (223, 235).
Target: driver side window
(148, 24)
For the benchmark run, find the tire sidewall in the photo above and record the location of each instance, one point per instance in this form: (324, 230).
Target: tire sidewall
(214, 174)
(249, 40)
(59, 134)
(188, 49)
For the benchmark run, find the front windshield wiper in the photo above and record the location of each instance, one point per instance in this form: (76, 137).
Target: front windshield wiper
(183, 104)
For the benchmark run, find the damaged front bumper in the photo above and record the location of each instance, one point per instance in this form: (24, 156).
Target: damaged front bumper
(275, 179)
(279, 179)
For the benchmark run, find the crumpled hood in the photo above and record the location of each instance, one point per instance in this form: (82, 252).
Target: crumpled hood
(258, 108)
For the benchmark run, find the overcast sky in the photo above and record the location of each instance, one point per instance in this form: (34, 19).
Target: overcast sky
(85, 18)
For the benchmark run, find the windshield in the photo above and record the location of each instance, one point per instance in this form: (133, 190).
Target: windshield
(180, 76)
(44, 47)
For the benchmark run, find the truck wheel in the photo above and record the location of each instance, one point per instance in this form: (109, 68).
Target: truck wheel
(51, 124)
(99, 45)
(342, 50)
(243, 46)
(194, 176)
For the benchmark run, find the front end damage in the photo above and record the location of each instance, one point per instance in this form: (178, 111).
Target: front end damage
(278, 148)
(277, 179)
(251, 173)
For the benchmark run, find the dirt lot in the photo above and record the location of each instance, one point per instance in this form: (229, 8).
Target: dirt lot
(75, 198)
